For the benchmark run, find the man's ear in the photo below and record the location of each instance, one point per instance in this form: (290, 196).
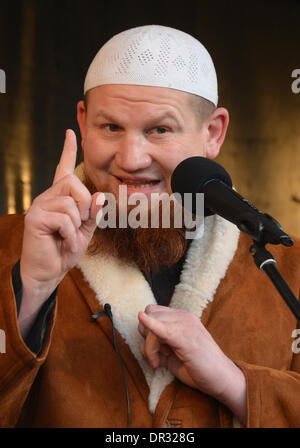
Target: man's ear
(81, 117)
(216, 128)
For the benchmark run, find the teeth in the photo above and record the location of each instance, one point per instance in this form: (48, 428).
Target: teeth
(140, 185)
(135, 185)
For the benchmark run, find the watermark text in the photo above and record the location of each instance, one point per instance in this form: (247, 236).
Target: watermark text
(296, 343)
(2, 81)
(154, 211)
(295, 86)
(2, 341)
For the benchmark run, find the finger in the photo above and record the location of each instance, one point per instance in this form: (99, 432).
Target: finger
(89, 226)
(51, 222)
(63, 204)
(142, 330)
(71, 185)
(159, 310)
(97, 202)
(142, 348)
(164, 350)
(96, 208)
(164, 354)
(67, 161)
(164, 361)
(166, 314)
(153, 325)
(67, 231)
(152, 350)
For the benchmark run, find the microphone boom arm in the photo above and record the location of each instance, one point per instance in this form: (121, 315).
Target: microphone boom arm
(260, 227)
(265, 261)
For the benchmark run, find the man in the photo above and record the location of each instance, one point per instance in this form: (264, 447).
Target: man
(203, 338)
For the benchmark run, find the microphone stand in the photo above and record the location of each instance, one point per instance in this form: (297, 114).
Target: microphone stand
(254, 227)
(265, 261)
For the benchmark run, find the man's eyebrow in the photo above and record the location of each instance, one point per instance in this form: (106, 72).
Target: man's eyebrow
(151, 119)
(102, 113)
(163, 115)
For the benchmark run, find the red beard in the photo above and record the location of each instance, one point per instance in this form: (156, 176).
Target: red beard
(148, 248)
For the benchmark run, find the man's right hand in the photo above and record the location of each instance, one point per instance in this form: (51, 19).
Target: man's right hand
(58, 228)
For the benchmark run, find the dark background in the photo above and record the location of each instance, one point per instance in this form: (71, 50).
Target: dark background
(46, 47)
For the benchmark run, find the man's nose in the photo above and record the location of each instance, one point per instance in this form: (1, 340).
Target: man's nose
(133, 153)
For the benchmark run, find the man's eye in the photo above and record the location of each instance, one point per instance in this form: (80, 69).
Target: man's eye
(111, 127)
(161, 130)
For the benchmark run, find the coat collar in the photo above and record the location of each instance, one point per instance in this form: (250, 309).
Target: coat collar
(128, 292)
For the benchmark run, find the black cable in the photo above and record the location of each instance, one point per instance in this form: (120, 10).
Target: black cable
(107, 311)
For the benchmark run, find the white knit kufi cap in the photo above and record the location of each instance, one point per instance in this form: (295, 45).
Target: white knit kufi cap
(155, 55)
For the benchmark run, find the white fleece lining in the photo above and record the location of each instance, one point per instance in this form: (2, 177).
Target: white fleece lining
(128, 292)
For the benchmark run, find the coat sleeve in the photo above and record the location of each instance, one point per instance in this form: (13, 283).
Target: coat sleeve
(18, 364)
(273, 396)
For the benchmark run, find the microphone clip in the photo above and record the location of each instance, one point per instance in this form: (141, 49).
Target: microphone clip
(106, 312)
(263, 229)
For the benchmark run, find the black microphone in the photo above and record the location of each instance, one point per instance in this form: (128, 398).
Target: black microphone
(201, 175)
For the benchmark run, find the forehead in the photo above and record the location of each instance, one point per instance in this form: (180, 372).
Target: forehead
(139, 98)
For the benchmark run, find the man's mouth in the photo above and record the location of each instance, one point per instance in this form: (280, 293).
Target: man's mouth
(137, 183)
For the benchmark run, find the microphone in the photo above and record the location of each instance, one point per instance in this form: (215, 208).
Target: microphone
(200, 175)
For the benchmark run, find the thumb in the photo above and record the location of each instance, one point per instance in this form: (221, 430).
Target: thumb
(89, 226)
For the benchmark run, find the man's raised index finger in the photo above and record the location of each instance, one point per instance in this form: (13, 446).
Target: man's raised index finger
(67, 161)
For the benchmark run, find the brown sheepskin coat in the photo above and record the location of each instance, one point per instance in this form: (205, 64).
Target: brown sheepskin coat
(77, 379)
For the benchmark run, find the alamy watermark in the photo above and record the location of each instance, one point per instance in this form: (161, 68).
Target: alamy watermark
(158, 204)
(2, 341)
(296, 343)
(2, 81)
(295, 86)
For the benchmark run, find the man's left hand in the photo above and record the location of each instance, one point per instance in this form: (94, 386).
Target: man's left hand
(177, 340)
